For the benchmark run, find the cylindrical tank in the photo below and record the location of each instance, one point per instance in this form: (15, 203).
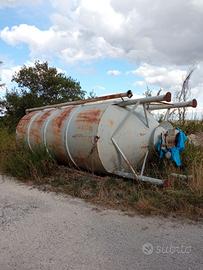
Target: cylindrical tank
(81, 135)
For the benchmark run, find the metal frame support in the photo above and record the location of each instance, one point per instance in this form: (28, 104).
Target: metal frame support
(134, 175)
(117, 146)
(144, 163)
(145, 114)
(125, 158)
(154, 181)
(151, 180)
(167, 114)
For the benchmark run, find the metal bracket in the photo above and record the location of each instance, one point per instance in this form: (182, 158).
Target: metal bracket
(134, 174)
(144, 163)
(116, 144)
(125, 158)
(167, 114)
(145, 114)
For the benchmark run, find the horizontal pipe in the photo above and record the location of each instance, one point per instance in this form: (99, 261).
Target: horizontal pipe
(140, 178)
(151, 180)
(191, 103)
(83, 101)
(181, 176)
(166, 97)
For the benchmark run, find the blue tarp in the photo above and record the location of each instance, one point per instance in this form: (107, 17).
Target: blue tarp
(176, 150)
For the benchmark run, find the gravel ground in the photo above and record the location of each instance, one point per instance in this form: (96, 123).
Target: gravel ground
(48, 231)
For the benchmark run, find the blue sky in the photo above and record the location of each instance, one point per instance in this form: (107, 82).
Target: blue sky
(107, 45)
(91, 74)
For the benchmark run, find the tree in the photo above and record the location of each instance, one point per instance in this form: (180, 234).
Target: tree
(184, 94)
(1, 84)
(92, 94)
(1, 107)
(148, 92)
(38, 86)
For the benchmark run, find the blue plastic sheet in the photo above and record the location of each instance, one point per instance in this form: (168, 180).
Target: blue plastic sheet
(176, 150)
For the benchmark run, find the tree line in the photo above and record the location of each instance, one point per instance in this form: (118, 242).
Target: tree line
(36, 86)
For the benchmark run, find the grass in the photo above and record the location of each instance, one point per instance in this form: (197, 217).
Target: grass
(19, 162)
(179, 198)
(190, 126)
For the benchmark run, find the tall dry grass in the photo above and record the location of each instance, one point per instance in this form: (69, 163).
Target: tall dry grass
(18, 161)
(180, 197)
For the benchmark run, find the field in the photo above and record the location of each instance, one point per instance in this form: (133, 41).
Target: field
(180, 198)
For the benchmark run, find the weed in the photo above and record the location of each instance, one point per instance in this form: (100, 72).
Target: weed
(182, 197)
(20, 162)
(190, 126)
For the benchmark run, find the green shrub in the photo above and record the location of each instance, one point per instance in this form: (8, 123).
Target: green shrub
(20, 162)
(190, 126)
(29, 165)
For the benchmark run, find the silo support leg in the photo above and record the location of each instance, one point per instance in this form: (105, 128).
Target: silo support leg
(144, 163)
(151, 180)
(125, 158)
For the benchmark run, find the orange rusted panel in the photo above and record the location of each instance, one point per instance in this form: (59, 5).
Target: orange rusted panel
(22, 126)
(57, 126)
(59, 120)
(35, 135)
(89, 116)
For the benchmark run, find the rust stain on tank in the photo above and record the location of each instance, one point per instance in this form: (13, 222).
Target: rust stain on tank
(22, 125)
(36, 129)
(57, 127)
(89, 116)
(40, 121)
(59, 120)
(35, 136)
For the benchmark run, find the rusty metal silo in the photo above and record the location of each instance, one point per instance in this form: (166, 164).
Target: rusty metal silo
(102, 135)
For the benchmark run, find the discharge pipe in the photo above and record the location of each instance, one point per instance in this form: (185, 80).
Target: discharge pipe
(191, 103)
(128, 94)
(166, 97)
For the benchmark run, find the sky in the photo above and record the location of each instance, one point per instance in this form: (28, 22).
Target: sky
(109, 46)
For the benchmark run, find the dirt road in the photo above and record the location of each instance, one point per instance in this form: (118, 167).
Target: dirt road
(47, 231)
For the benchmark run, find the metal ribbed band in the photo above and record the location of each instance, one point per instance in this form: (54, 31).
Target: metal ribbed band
(29, 128)
(66, 134)
(54, 112)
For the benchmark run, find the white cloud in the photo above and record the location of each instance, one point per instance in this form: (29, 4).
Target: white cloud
(6, 74)
(36, 39)
(99, 87)
(198, 4)
(114, 72)
(69, 46)
(14, 3)
(162, 37)
(139, 83)
(166, 33)
(170, 77)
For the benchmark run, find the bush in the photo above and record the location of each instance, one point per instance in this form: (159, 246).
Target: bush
(190, 126)
(20, 162)
(182, 197)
